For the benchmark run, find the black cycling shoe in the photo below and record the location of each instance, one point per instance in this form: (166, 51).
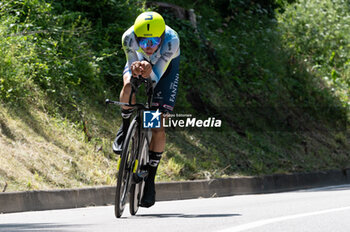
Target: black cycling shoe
(118, 141)
(149, 195)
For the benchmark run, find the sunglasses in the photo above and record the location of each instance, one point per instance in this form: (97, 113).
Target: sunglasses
(149, 42)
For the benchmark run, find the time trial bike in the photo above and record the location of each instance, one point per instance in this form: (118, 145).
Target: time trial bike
(133, 160)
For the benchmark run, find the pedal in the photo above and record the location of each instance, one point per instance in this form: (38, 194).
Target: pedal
(140, 176)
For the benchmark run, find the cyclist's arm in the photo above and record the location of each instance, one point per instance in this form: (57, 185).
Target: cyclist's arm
(129, 46)
(171, 50)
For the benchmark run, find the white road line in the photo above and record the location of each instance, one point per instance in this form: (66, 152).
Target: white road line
(279, 219)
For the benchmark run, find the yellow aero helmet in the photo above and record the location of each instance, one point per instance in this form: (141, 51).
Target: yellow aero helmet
(149, 24)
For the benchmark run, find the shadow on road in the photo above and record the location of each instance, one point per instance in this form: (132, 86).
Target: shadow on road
(174, 215)
(34, 227)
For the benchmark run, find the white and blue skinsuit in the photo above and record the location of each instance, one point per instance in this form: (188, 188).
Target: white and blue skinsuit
(165, 65)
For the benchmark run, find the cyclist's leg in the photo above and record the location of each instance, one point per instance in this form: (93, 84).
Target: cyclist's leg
(126, 90)
(149, 196)
(164, 98)
(158, 138)
(165, 92)
(126, 113)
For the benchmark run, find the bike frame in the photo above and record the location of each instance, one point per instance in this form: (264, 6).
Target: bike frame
(143, 133)
(132, 169)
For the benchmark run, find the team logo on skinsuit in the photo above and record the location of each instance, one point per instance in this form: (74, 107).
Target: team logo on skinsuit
(151, 119)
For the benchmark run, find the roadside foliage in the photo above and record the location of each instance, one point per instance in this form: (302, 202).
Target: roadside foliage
(275, 72)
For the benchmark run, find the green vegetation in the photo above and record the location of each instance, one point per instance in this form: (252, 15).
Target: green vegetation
(318, 32)
(276, 73)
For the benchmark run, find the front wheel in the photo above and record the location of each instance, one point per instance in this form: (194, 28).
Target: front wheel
(136, 191)
(125, 166)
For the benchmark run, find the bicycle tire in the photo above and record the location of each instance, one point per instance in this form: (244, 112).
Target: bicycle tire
(136, 191)
(125, 170)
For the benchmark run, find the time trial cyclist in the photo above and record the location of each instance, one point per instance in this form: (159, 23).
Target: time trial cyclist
(152, 49)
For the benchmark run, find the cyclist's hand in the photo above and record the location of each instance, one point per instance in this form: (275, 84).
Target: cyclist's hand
(136, 68)
(146, 69)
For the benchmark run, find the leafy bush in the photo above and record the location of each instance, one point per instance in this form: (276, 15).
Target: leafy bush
(64, 49)
(319, 32)
(15, 52)
(239, 61)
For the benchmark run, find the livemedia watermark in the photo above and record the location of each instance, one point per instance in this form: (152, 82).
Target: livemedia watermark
(152, 119)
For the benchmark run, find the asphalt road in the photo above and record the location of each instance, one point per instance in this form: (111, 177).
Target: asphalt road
(321, 210)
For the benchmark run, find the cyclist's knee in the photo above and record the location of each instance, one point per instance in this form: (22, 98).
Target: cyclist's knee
(126, 78)
(127, 89)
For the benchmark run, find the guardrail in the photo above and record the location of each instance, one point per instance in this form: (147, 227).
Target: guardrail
(97, 196)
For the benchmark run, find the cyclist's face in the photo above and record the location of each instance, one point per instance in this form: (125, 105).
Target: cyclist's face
(149, 50)
(149, 45)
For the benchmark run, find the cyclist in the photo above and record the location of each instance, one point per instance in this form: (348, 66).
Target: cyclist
(152, 49)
